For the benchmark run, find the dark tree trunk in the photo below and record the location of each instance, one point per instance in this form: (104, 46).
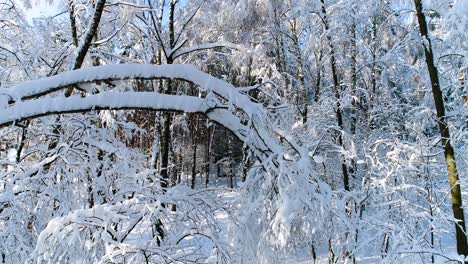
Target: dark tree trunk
(194, 149)
(336, 91)
(83, 50)
(71, 7)
(449, 153)
(166, 130)
(210, 138)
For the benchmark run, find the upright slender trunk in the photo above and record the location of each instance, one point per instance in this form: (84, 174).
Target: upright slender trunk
(71, 7)
(353, 78)
(339, 116)
(302, 96)
(230, 160)
(318, 79)
(373, 78)
(164, 157)
(175, 165)
(449, 153)
(302, 85)
(331, 252)
(314, 254)
(194, 149)
(245, 163)
(336, 91)
(385, 245)
(279, 41)
(166, 130)
(210, 139)
(157, 121)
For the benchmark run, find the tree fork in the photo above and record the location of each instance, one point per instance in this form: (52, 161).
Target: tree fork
(83, 50)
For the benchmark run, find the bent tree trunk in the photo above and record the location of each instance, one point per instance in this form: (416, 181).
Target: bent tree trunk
(462, 247)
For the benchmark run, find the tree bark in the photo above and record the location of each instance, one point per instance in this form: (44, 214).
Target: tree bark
(353, 78)
(194, 149)
(302, 100)
(373, 77)
(318, 61)
(245, 163)
(166, 129)
(71, 7)
(336, 91)
(83, 50)
(210, 138)
(449, 153)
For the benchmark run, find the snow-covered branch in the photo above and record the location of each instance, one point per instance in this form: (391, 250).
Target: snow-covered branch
(206, 82)
(106, 100)
(182, 51)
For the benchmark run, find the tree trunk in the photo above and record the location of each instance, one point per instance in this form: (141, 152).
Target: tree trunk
(245, 163)
(83, 50)
(166, 130)
(353, 78)
(373, 78)
(194, 149)
(336, 91)
(71, 7)
(230, 160)
(318, 79)
(314, 255)
(449, 153)
(210, 138)
(302, 100)
(331, 253)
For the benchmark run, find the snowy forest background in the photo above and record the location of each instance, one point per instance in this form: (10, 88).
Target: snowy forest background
(233, 131)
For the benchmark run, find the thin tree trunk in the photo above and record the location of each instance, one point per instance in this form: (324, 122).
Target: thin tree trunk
(71, 7)
(318, 80)
(210, 138)
(19, 151)
(353, 78)
(302, 100)
(373, 78)
(166, 131)
(331, 253)
(231, 160)
(385, 245)
(336, 91)
(314, 255)
(354, 112)
(245, 163)
(83, 49)
(194, 149)
(449, 153)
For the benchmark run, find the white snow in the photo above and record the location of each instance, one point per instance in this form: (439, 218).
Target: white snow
(11, 155)
(189, 73)
(40, 9)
